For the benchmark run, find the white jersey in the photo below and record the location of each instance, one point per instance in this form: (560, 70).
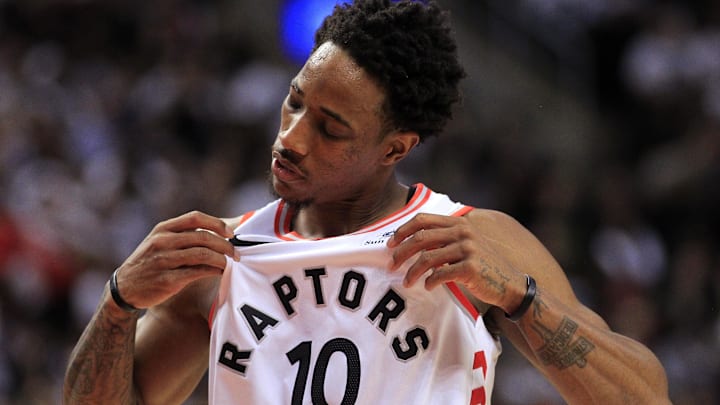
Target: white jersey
(325, 322)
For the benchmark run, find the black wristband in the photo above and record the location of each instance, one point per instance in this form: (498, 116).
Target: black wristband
(116, 295)
(527, 300)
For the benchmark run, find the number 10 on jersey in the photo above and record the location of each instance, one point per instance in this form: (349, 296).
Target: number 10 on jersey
(301, 354)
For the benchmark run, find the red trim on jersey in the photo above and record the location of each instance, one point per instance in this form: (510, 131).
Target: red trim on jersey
(211, 314)
(283, 218)
(462, 211)
(287, 224)
(284, 215)
(245, 217)
(480, 362)
(422, 194)
(278, 215)
(463, 300)
(478, 396)
(292, 235)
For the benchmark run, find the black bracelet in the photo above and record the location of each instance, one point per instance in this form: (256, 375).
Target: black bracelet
(116, 295)
(527, 300)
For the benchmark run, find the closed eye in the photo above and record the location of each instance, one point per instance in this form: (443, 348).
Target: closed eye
(327, 134)
(292, 103)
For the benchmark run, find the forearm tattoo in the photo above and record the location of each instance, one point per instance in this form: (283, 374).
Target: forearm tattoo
(493, 276)
(102, 362)
(561, 347)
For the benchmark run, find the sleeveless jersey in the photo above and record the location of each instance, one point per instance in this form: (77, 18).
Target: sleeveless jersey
(324, 321)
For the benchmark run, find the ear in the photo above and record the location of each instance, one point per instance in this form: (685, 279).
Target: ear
(398, 145)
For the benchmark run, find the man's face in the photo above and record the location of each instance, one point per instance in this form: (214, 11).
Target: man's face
(329, 145)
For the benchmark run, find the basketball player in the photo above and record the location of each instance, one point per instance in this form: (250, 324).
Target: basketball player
(351, 288)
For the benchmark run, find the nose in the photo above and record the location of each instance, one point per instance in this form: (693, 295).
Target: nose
(294, 136)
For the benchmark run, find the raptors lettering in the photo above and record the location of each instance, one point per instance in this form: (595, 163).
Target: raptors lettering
(349, 296)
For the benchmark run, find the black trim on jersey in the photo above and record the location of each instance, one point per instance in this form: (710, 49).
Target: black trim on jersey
(240, 242)
(411, 193)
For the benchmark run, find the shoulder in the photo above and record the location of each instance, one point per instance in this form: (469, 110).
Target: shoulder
(499, 224)
(491, 217)
(520, 249)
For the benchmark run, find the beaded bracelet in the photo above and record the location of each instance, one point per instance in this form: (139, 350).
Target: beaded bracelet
(527, 300)
(115, 293)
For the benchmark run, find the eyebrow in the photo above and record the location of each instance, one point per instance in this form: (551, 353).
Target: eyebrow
(330, 113)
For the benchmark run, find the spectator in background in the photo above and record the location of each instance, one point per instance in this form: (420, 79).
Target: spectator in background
(121, 154)
(381, 79)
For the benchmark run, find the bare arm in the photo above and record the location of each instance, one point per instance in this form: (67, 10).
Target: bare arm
(108, 364)
(171, 347)
(105, 348)
(489, 253)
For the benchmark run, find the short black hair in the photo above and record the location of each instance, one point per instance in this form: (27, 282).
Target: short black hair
(408, 48)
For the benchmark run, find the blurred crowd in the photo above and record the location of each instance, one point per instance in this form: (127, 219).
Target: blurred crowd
(596, 124)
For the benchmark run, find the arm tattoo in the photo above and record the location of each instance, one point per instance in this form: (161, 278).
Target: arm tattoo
(538, 306)
(493, 276)
(560, 349)
(102, 364)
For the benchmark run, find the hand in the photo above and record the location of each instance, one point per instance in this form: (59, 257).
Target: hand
(455, 249)
(175, 253)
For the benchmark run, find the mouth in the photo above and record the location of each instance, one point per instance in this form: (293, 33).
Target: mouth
(284, 170)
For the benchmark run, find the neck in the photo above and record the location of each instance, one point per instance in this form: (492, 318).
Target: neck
(321, 220)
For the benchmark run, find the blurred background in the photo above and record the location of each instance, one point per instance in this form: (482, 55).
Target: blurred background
(595, 123)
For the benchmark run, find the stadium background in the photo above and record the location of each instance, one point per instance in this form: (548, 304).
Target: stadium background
(595, 123)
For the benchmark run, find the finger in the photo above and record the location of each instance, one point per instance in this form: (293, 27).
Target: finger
(194, 238)
(195, 256)
(420, 221)
(458, 272)
(234, 222)
(193, 273)
(144, 289)
(492, 287)
(200, 256)
(196, 220)
(430, 260)
(422, 240)
(202, 238)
